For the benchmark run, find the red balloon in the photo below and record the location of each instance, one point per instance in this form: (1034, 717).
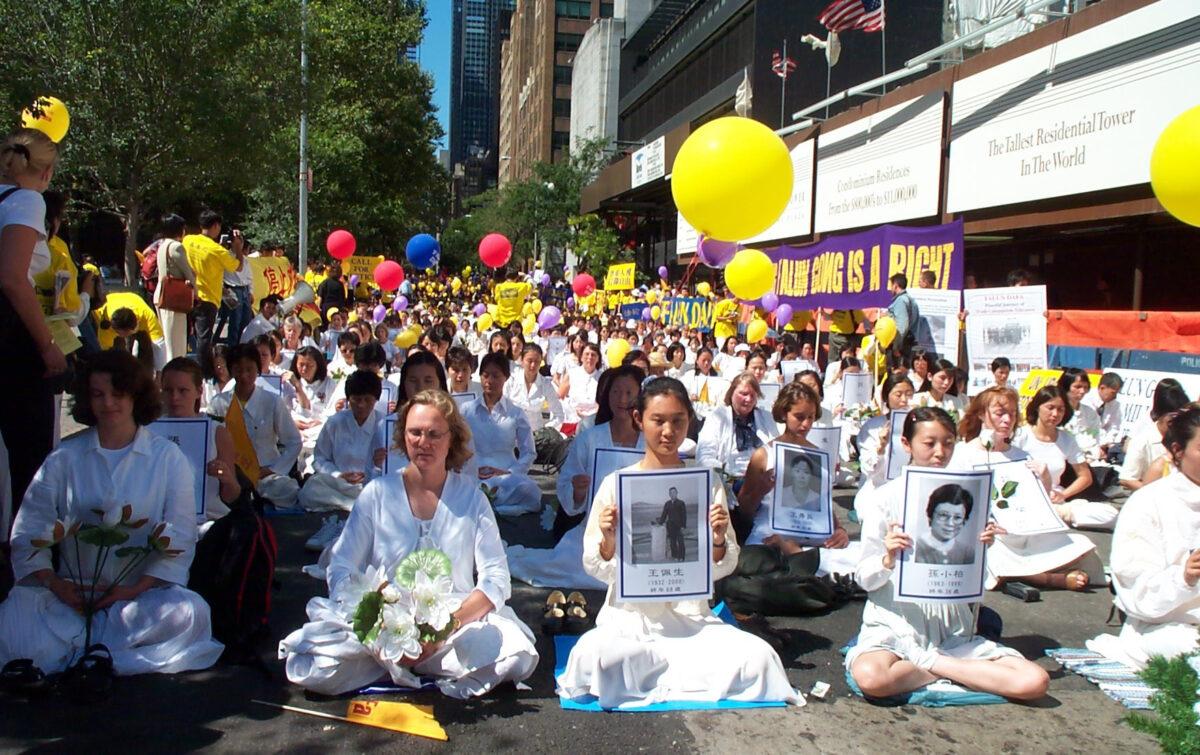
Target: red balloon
(340, 244)
(495, 250)
(583, 284)
(389, 275)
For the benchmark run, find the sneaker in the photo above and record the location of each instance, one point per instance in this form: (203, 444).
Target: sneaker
(330, 529)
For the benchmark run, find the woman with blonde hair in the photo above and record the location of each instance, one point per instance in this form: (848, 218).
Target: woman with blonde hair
(27, 410)
(733, 432)
(430, 504)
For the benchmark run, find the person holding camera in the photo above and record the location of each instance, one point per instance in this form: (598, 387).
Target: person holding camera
(210, 261)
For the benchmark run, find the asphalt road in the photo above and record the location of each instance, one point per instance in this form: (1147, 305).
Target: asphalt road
(213, 708)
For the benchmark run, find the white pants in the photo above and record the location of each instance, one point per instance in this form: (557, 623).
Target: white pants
(279, 490)
(324, 492)
(516, 494)
(1139, 640)
(165, 630)
(174, 325)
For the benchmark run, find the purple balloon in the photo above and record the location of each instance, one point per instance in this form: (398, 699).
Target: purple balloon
(662, 272)
(545, 279)
(783, 315)
(353, 281)
(770, 302)
(645, 313)
(400, 304)
(714, 253)
(380, 312)
(479, 309)
(571, 302)
(549, 317)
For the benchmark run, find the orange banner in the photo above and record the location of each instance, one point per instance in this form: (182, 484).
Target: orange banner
(1158, 331)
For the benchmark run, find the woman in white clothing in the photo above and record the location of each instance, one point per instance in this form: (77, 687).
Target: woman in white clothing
(535, 394)
(1145, 449)
(173, 263)
(1045, 442)
(181, 385)
(642, 653)
(1084, 423)
(919, 365)
(873, 439)
(149, 622)
(940, 390)
(704, 386)
(904, 646)
(1155, 561)
(732, 433)
(1058, 560)
(615, 428)
(314, 392)
(430, 504)
(568, 358)
(578, 386)
(499, 429)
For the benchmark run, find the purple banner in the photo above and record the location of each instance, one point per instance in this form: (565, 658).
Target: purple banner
(852, 271)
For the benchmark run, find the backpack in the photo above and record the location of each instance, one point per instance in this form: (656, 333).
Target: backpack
(234, 571)
(150, 267)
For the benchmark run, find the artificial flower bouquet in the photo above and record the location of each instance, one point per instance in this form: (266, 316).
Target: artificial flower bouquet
(860, 412)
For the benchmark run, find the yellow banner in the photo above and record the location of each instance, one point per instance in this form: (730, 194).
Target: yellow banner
(402, 717)
(244, 454)
(1040, 378)
(620, 277)
(362, 266)
(275, 275)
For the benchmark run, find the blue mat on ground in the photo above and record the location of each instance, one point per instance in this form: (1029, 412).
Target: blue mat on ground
(1115, 679)
(941, 694)
(564, 643)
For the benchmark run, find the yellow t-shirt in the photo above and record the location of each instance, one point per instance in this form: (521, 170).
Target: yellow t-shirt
(510, 297)
(799, 321)
(845, 321)
(43, 282)
(725, 320)
(210, 261)
(147, 318)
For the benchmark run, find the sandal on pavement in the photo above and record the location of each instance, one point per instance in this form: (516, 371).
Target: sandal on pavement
(91, 678)
(577, 615)
(21, 677)
(554, 613)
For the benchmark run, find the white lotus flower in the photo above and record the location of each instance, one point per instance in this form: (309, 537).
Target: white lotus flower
(350, 591)
(398, 637)
(432, 604)
(111, 518)
(987, 437)
(391, 594)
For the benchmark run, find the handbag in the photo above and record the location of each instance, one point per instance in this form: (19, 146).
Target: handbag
(174, 293)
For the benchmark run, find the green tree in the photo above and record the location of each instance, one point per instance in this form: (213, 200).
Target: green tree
(595, 243)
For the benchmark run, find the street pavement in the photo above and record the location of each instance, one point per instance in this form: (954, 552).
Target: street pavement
(214, 708)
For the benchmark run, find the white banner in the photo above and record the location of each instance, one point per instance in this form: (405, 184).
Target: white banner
(648, 163)
(1004, 322)
(1137, 394)
(938, 329)
(796, 219)
(687, 238)
(883, 168)
(1076, 116)
(191, 435)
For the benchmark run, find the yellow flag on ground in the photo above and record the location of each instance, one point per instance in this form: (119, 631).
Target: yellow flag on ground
(243, 450)
(402, 717)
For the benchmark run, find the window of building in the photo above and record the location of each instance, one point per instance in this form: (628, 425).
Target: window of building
(573, 8)
(560, 140)
(566, 42)
(562, 108)
(606, 10)
(562, 75)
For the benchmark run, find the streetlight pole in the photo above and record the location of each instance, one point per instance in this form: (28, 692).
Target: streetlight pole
(302, 250)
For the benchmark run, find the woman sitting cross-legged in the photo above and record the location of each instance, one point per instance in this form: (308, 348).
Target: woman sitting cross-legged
(641, 653)
(148, 621)
(428, 505)
(905, 646)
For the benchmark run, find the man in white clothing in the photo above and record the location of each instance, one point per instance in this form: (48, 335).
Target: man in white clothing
(1104, 400)
(343, 455)
(264, 322)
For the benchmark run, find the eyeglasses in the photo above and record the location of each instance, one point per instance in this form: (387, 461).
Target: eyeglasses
(942, 516)
(433, 435)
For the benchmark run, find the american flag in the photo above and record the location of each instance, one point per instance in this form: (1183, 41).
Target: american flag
(841, 15)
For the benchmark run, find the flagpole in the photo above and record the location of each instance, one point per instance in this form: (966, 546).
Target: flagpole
(783, 84)
(883, 42)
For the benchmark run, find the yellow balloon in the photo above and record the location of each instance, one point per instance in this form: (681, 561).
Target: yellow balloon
(455, 284)
(756, 331)
(732, 178)
(484, 322)
(703, 288)
(655, 312)
(750, 274)
(406, 339)
(617, 350)
(527, 309)
(651, 296)
(467, 270)
(536, 306)
(529, 326)
(885, 331)
(1175, 167)
(491, 308)
(53, 121)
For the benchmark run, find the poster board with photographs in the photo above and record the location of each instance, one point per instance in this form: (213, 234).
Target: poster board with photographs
(790, 368)
(828, 438)
(802, 504)
(1004, 322)
(770, 392)
(897, 457)
(387, 394)
(937, 328)
(944, 513)
(857, 388)
(394, 458)
(191, 435)
(1020, 503)
(664, 543)
(605, 461)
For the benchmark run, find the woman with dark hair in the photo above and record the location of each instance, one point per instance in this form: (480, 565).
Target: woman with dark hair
(578, 387)
(433, 503)
(216, 374)
(1155, 561)
(676, 359)
(704, 386)
(732, 433)
(115, 471)
(313, 390)
(920, 363)
(1145, 445)
(615, 428)
(874, 436)
(1084, 424)
(499, 428)
(941, 389)
(173, 265)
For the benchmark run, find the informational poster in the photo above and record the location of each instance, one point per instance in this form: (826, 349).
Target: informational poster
(828, 438)
(605, 461)
(944, 514)
(395, 458)
(555, 345)
(856, 388)
(1004, 322)
(664, 542)
(770, 392)
(802, 504)
(937, 328)
(790, 368)
(897, 457)
(1020, 503)
(191, 435)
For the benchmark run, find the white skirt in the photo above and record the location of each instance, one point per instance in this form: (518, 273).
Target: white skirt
(1026, 555)
(560, 567)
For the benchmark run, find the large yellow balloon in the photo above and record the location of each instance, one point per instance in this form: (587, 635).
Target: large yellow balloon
(53, 121)
(1175, 167)
(756, 331)
(529, 325)
(651, 296)
(732, 178)
(527, 309)
(406, 339)
(484, 322)
(703, 288)
(750, 274)
(885, 331)
(617, 350)
(655, 312)
(536, 306)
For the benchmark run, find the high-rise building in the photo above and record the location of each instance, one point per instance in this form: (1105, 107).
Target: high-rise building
(478, 28)
(535, 88)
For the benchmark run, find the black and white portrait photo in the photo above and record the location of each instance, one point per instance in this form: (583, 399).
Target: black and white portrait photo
(660, 530)
(944, 513)
(801, 482)
(665, 542)
(802, 502)
(948, 540)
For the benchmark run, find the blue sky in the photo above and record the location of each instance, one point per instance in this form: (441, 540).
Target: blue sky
(435, 58)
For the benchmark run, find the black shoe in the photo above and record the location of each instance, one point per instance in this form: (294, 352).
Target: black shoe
(91, 678)
(577, 621)
(21, 677)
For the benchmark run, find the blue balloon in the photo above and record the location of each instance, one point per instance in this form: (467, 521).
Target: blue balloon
(422, 251)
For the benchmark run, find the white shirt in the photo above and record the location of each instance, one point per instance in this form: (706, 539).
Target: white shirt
(346, 446)
(1056, 456)
(581, 398)
(497, 433)
(579, 462)
(26, 207)
(1145, 445)
(535, 399)
(1110, 417)
(272, 432)
(717, 445)
(153, 477)
(256, 327)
